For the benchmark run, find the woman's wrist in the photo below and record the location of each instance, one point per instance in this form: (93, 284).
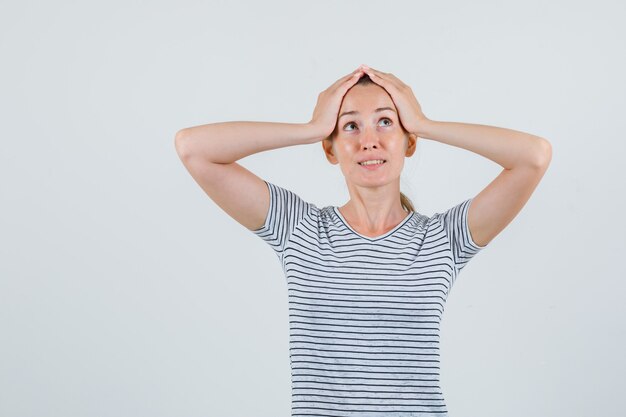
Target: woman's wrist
(316, 133)
(422, 128)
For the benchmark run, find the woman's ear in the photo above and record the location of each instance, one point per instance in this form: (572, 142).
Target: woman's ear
(411, 144)
(327, 145)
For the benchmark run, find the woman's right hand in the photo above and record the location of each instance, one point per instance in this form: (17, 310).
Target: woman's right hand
(329, 101)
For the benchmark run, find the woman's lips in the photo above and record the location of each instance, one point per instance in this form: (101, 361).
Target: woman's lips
(372, 167)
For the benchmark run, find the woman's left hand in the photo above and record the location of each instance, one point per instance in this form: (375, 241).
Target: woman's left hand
(409, 110)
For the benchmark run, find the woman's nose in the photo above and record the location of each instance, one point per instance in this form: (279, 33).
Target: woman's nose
(369, 138)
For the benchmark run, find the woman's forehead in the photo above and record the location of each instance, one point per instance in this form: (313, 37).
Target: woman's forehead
(366, 99)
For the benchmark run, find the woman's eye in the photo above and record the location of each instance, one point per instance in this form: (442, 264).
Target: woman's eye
(352, 123)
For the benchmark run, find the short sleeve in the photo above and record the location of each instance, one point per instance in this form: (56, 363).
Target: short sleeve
(455, 226)
(285, 211)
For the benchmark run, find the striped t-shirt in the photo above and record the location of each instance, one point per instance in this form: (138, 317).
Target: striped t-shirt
(364, 312)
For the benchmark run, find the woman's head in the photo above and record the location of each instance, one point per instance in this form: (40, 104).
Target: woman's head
(368, 128)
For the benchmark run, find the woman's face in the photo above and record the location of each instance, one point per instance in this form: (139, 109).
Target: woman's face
(367, 134)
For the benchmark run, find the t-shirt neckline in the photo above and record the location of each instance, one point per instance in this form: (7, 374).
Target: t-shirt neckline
(384, 235)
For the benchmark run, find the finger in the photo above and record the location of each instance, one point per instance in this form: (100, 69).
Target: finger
(372, 72)
(350, 79)
(352, 74)
(384, 79)
(370, 69)
(376, 73)
(384, 75)
(377, 78)
(356, 74)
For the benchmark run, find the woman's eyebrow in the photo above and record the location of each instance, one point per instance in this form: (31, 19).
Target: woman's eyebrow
(345, 113)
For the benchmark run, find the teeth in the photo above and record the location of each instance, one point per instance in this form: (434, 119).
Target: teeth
(377, 161)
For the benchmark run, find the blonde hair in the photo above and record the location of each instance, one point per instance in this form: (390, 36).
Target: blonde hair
(406, 202)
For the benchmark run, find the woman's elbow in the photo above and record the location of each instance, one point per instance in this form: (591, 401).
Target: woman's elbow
(543, 154)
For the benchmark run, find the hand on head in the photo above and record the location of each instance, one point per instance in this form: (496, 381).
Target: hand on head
(329, 101)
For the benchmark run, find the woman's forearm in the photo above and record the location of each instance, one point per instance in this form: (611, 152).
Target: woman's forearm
(227, 142)
(507, 147)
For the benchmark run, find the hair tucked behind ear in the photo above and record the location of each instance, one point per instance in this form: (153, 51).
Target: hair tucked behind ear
(406, 202)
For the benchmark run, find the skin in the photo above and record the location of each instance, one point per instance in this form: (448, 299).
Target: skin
(374, 207)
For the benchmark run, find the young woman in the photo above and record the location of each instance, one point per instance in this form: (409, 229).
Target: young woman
(368, 281)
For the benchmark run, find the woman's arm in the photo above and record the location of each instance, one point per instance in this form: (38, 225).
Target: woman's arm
(508, 148)
(209, 152)
(524, 157)
(227, 142)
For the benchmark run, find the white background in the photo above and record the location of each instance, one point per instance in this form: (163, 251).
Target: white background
(125, 291)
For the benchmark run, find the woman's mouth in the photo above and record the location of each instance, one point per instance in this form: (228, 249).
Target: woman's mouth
(372, 164)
